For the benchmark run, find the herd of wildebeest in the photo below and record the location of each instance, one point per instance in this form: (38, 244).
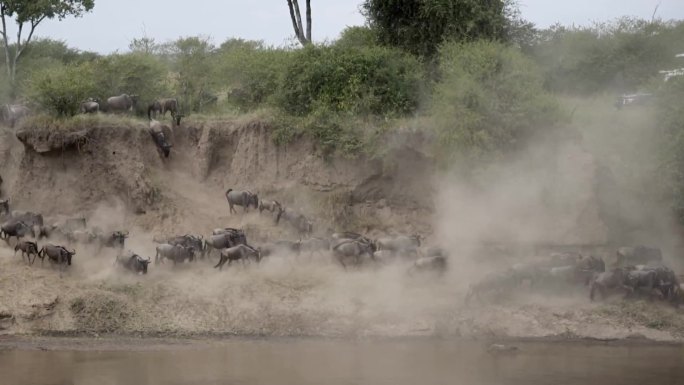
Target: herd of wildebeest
(639, 271)
(11, 114)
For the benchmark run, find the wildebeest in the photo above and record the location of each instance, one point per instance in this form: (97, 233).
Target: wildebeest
(241, 198)
(17, 229)
(660, 281)
(187, 240)
(160, 134)
(27, 248)
(351, 252)
(115, 240)
(90, 106)
(224, 241)
(297, 220)
(270, 206)
(121, 103)
(4, 207)
(176, 253)
(402, 245)
(57, 254)
(608, 281)
(13, 113)
(134, 263)
(239, 252)
(82, 236)
(639, 255)
(168, 105)
(435, 264)
(153, 109)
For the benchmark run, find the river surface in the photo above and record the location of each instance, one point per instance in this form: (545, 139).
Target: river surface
(300, 362)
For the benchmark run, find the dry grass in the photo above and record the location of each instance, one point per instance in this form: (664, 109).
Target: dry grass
(80, 122)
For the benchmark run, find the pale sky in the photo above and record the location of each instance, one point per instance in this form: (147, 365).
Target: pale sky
(114, 23)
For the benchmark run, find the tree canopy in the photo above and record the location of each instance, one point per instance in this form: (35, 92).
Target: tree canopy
(27, 15)
(420, 26)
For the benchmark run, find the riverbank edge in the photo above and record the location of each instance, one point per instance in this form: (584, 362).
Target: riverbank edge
(118, 342)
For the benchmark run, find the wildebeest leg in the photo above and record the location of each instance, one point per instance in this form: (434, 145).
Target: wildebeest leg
(220, 263)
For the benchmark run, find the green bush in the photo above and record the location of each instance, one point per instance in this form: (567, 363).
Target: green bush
(252, 74)
(489, 100)
(364, 80)
(62, 89)
(619, 56)
(134, 74)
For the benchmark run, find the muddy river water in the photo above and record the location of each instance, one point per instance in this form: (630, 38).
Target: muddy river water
(299, 362)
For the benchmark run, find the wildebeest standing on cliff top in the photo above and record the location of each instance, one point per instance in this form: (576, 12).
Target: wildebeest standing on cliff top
(241, 198)
(122, 103)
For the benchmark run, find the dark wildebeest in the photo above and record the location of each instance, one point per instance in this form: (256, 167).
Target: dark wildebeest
(13, 113)
(224, 241)
(121, 103)
(4, 207)
(351, 252)
(638, 255)
(161, 134)
(176, 253)
(90, 106)
(17, 229)
(239, 252)
(115, 240)
(154, 109)
(27, 248)
(169, 105)
(609, 281)
(57, 254)
(660, 281)
(297, 220)
(134, 263)
(241, 198)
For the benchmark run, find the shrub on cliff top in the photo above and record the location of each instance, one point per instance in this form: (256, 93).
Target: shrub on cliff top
(360, 80)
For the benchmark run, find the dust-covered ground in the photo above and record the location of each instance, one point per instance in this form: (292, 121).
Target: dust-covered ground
(286, 297)
(118, 182)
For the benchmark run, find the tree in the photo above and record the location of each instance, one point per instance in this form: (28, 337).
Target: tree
(420, 26)
(28, 14)
(296, 17)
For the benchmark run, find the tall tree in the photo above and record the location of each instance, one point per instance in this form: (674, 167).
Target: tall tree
(27, 15)
(296, 16)
(420, 26)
